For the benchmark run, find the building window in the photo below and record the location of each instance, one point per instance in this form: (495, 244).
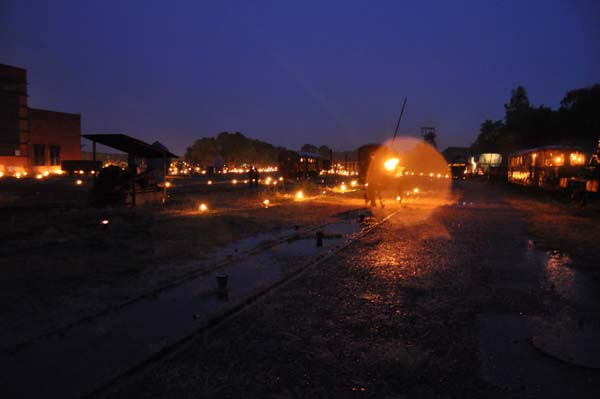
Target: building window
(54, 155)
(39, 154)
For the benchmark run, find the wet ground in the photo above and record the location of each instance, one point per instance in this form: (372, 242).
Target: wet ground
(459, 301)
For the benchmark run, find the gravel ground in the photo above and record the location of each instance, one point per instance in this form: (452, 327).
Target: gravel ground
(393, 316)
(59, 264)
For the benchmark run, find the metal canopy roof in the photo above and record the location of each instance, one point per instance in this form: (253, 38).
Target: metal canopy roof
(130, 145)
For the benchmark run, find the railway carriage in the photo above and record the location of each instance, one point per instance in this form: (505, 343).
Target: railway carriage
(549, 167)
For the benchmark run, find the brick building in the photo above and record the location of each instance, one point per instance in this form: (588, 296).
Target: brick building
(32, 140)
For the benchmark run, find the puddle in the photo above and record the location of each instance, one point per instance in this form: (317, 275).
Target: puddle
(577, 286)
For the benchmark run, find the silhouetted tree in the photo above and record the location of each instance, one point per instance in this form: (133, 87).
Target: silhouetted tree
(309, 148)
(234, 148)
(324, 151)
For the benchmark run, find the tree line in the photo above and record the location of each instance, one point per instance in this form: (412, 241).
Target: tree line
(576, 122)
(235, 149)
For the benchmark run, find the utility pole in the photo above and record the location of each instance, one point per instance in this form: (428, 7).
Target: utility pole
(399, 119)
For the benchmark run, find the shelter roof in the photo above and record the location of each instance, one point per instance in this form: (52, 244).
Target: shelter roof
(130, 145)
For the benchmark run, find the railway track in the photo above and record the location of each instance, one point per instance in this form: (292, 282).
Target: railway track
(95, 353)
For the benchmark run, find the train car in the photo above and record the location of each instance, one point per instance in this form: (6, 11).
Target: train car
(299, 164)
(365, 155)
(548, 167)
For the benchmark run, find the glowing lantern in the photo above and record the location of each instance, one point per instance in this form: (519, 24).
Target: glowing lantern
(391, 164)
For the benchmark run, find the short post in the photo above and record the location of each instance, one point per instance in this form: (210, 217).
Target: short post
(222, 280)
(320, 238)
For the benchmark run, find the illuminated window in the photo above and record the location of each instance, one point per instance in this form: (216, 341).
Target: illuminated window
(39, 154)
(54, 154)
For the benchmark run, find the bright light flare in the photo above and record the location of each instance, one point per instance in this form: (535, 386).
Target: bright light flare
(104, 222)
(391, 164)
(39, 176)
(203, 208)
(415, 190)
(209, 182)
(78, 182)
(266, 203)
(299, 195)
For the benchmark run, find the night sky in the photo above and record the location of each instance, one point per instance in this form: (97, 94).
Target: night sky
(289, 73)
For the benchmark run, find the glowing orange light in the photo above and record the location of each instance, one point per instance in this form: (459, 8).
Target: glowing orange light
(391, 164)
(415, 190)
(299, 195)
(203, 208)
(168, 184)
(209, 182)
(46, 173)
(266, 203)
(78, 182)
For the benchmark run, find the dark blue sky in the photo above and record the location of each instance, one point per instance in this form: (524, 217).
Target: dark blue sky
(325, 72)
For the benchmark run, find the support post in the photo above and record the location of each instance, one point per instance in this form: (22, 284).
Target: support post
(164, 178)
(132, 174)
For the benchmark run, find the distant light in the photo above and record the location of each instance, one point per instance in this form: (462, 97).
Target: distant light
(39, 176)
(281, 179)
(299, 195)
(1, 174)
(391, 163)
(209, 182)
(18, 175)
(46, 173)
(104, 221)
(266, 203)
(343, 187)
(324, 192)
(25, 173)
(415, 190)
(353, 183)
(168, 184)
(398, 198)
(78, 182)
(203, 208)
(234, 181)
